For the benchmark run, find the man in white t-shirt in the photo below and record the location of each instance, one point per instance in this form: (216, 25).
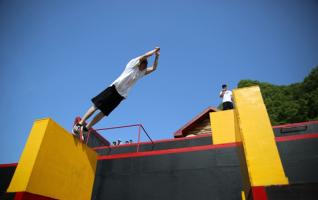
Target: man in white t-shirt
(227, 98)
(111, 97)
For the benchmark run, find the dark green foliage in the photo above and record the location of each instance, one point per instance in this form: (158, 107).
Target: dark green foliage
(292, 103)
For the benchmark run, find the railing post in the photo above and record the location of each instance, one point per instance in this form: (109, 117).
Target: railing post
(88, 134)
(140, 128)
(146, 133)
(138, 138)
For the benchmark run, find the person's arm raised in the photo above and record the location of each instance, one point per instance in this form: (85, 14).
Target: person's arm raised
(149, 53)
(155, 64)
(222, 93)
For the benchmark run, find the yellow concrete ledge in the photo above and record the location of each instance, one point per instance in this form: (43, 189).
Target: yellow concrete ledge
(262, 158)
(55, 164)
(222, 126)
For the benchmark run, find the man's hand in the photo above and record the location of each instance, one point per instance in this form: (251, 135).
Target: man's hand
(150, 53)
(157, 53)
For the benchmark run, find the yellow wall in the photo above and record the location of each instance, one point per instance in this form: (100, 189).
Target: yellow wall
(222, 125)
(55, 164)
(261, 155)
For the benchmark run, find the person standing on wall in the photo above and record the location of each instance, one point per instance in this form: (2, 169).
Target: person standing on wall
(227, 98)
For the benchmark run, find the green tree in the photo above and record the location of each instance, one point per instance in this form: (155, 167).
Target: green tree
(289, 103)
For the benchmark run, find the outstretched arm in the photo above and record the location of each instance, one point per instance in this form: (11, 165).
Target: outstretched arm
(155, 64)
(222, 93)
(149, 53)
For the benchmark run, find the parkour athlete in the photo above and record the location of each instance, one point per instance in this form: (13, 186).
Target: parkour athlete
(111, 97)
(227, 98)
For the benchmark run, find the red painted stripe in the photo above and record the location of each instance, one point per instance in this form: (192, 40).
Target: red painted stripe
(167, 151)
(158, 141)
(199, 148)
(296, 137)
(259, 193)
(8, 165)
(200, 136)
(30, 196)
(278, 139)
(295, 124)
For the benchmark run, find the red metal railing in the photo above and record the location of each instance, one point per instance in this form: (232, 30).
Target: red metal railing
(140, 128)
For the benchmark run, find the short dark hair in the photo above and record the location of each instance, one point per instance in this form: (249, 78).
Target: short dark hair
(224, 86)
(145, 62)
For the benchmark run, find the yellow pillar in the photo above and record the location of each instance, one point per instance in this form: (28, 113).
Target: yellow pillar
(223, 127)
(55, 164)
(262, 159)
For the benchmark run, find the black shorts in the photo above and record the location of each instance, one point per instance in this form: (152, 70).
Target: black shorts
(227, 105)
(107, 100)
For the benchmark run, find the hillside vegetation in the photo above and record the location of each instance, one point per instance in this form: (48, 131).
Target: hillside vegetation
(290, 103)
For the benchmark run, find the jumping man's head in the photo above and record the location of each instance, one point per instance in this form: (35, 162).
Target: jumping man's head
(224, 87)
(143, 64)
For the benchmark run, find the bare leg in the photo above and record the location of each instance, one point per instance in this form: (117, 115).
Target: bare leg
(88, 114)
(96, 119)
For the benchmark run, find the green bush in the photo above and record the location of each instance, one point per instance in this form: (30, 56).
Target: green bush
(291, 103)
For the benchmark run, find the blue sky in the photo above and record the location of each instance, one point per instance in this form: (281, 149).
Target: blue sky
(56, 55)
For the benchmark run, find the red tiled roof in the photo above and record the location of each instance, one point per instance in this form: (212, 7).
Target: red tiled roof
(190, 124)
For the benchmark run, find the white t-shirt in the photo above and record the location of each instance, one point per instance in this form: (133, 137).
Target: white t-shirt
(227, 97)
(129, 77)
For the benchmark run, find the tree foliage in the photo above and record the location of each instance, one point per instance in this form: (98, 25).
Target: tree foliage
(290, 103)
